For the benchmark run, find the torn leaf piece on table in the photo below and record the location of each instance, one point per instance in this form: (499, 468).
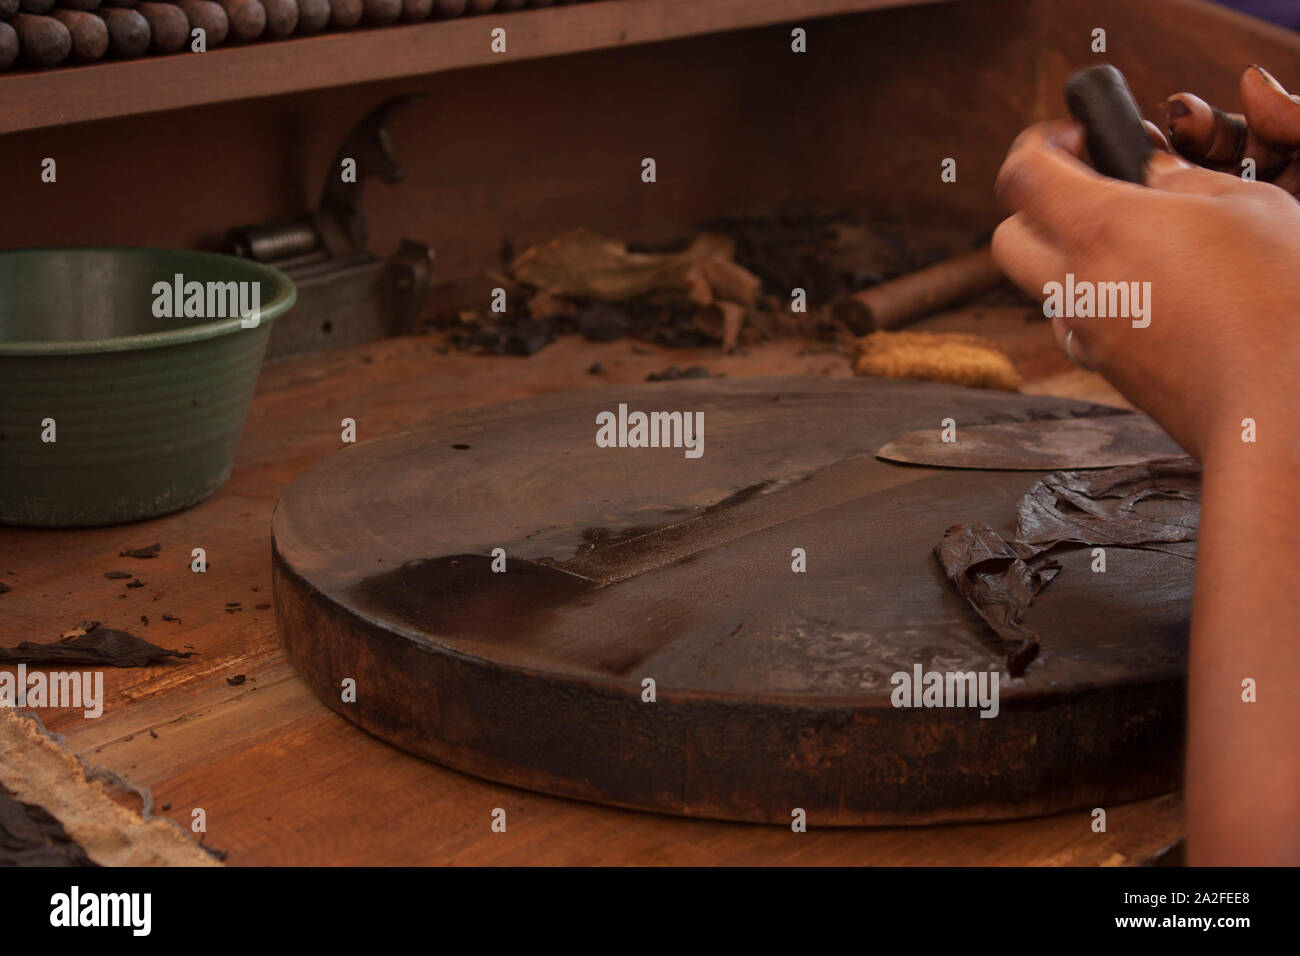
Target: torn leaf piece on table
(30, 836)
(1150, 506)
(998, 583)
(1101, 507)
(582, 264)
(102, 645)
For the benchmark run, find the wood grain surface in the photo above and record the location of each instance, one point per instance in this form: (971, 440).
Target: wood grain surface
(773, 687)
(286, 781)
(34, 100)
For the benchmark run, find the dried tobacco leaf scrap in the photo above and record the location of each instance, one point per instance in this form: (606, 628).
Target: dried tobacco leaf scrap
(997, 583)
(150, 552)
(1066, 510)
(29, 836)
(1100, 507)
(103, 645)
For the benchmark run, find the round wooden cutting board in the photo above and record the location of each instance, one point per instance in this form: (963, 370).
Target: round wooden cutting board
(771, 686)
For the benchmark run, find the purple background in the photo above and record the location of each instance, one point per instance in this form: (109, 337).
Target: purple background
(1285, 12)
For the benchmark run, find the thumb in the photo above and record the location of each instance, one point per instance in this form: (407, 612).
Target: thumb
(1169, 173)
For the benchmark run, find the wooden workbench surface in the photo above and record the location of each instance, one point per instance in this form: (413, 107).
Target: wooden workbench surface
(282, 780)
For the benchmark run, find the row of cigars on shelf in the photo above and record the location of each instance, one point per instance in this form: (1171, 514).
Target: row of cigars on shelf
(45, 33)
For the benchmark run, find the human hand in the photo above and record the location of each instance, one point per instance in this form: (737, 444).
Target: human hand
(1265, 135)
(1221, 339)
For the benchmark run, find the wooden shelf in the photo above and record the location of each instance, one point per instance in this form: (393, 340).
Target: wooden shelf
(75, 94)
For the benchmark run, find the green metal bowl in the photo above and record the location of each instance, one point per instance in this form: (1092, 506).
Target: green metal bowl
(144, 410)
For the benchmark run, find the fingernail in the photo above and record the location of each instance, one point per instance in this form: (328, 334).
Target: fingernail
(1268, 77)
(1175, 109)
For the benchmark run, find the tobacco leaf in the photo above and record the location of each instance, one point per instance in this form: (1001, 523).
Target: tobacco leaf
(583, 264)
(1063, 511)
(103, 645)
(150, 552)
(1100, 507)
(998, 584)
(29, 836)
(672, 373)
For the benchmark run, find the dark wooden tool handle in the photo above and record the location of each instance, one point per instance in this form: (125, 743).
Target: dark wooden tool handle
(44, 40)
(89, 34)
(1101, 101)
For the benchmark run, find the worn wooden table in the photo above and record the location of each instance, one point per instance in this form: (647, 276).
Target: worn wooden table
(285, 781)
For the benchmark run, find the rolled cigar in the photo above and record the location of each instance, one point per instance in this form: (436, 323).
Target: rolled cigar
(1099, 99)
(128, 32)
(8, 45)
(449, 8)
(247, 18)
(281, 17)
(381, 12)
(79, 4)
(207, 16)
(89, 34)
(345, 13)
(169, 28)
(313, 16)
(416, 9)
(36, 6)
(481, 6)
(899, 301)
(44, 41)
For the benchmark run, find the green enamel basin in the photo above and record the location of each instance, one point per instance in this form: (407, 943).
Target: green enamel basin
(114, 404)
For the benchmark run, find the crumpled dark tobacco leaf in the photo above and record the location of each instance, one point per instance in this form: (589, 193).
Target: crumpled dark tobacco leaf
(1065, 510)
(1099, 507)
(29, 836)
(998, 583)
(103, 645)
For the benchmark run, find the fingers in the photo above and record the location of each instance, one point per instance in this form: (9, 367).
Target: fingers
(1202, 133)
(1076, 350)
(1267, 134)
(1289, 179)
(1156, 136)
(1168, 173)
(1030, 260)
(1272, 113)
(1043, 178)
(1026, 256)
